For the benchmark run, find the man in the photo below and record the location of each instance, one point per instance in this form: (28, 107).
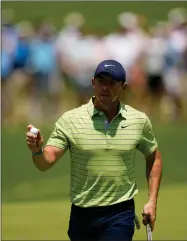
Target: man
(102, 137)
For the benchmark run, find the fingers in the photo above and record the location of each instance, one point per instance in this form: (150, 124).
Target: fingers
(31, 139)
(148, 219)
(31, 136)
(39, 137)
(29, 127)
(152, 224)
(145, 219)
(34, 142)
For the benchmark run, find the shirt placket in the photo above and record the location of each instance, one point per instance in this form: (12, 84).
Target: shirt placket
(108, 132)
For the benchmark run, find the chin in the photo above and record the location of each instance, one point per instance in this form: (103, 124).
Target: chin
(105, 98)
(106, 101)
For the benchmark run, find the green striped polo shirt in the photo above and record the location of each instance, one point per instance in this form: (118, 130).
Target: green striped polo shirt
(102, 154)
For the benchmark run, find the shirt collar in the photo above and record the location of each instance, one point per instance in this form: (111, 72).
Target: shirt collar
(93, 111)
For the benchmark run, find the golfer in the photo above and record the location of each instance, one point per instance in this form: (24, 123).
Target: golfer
(102, 137)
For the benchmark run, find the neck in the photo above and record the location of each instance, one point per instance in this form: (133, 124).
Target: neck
(110, 111)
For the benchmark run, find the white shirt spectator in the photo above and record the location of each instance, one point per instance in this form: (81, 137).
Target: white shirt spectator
(125, 48)
(155, 55)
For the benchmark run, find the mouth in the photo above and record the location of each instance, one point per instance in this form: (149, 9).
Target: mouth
(105, 95)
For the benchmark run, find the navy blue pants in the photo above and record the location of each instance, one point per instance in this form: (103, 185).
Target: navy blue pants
(111, 223)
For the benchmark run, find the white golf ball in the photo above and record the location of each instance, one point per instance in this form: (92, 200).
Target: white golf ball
(34, 131)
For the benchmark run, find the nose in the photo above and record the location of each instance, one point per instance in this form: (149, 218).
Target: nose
(105, 87)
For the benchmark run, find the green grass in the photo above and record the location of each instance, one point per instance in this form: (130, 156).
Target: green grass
(21, 181)
(35, 204)
(48, 220)
(99, 15)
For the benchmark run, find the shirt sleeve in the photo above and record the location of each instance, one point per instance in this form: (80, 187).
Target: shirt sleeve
(148, 143)
(59, 136)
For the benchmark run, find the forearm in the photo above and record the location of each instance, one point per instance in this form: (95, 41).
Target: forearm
(48, 157)
(43, 161)
(154, 175)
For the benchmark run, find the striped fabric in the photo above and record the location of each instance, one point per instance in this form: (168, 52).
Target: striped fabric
(102, 154)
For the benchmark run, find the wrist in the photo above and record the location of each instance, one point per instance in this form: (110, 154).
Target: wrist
(38, 153)
(153, 201)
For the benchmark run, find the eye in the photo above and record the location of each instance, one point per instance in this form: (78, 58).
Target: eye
(112, 82)
(100, 80)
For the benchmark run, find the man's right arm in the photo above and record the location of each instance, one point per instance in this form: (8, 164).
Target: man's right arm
(48, 157)
(43, 158)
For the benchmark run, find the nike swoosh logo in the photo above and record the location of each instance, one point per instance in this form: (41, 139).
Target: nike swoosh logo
(108, 65)
(124, 126)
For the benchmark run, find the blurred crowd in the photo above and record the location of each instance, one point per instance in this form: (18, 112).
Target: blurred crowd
(44, 72)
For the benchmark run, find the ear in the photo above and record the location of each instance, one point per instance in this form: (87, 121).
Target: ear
(93, 82)
(124, 86)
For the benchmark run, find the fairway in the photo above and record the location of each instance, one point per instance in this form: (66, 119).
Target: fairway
(99, 15)
(49, 220)
(35, 204)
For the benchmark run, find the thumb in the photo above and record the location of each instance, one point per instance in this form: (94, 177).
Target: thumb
(29, 127)
(39, 137)
(146, 217)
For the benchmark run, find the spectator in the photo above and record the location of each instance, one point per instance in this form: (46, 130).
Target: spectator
(22, 51)
(43, 67)
(174, 68)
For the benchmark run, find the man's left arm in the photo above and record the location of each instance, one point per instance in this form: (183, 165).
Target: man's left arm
(154, 175)
(149, 147)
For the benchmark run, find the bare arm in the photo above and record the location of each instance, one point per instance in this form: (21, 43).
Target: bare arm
(149, 147)
(48, 158)
(154, 174)
(42, 158)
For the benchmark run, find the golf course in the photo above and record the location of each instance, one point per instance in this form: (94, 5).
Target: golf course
(35, 204)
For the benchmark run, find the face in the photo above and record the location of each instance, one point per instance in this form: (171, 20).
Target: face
(106, 89)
